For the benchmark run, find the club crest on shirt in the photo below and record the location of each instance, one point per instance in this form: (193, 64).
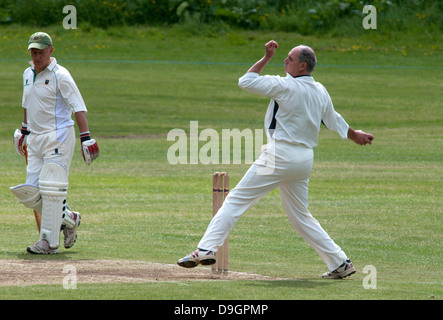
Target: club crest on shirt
(47, 81)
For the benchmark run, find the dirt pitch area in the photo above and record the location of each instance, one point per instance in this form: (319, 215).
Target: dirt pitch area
(40, 272)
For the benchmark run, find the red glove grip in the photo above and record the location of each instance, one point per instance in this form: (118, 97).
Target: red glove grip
(90, 151)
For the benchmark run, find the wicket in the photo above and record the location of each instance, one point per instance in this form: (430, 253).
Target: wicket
(220, 190)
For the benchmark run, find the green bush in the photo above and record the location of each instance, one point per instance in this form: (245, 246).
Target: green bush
(339, 17)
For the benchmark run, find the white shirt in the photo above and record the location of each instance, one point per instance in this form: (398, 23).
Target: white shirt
(302, 104)
(49, 98)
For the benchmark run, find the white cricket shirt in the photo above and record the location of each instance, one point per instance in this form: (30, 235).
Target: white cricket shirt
(302, 104)
(49, 98)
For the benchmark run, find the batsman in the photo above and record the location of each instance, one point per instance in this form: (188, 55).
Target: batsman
(47, 141)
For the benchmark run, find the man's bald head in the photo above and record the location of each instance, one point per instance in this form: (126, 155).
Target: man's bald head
(306, 54)
(301, 60)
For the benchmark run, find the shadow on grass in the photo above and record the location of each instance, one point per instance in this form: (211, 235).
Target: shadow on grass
(64, 255)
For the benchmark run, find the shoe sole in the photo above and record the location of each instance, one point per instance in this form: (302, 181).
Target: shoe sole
(193, 264)
(208, 262)
(352, 271)
(342, 275)
(29, 250)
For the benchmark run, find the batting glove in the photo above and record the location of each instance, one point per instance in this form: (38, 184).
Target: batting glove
(20, 139)
(89, 148)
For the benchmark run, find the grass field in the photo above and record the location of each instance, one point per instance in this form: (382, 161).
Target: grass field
(380, 203)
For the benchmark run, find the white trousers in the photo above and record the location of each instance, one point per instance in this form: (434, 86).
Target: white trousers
(56, 146)
(291, 171)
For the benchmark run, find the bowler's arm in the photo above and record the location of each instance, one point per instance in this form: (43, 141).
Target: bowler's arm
(270, 48)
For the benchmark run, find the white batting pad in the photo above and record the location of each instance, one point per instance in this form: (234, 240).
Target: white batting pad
(53, 189)
(29, 195)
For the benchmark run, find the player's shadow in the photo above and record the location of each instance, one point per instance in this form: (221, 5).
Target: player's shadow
(63, 255)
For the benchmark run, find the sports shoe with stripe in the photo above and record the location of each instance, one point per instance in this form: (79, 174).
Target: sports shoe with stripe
(41, 247)
(343, 271)
(72, 220)
(199, 256)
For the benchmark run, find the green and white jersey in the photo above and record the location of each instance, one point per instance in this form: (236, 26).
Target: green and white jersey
(50, 98)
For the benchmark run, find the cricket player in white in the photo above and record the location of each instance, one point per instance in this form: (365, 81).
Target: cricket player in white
(298, 106)
(47, 138)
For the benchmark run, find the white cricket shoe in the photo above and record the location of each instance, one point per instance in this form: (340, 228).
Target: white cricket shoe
(343, 271)
(199, 256)
(71, 220)
(41, 247)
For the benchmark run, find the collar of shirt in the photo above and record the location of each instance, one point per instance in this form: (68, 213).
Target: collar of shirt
(304, 76)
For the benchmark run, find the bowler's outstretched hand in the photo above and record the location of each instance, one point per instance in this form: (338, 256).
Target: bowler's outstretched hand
(360, 137)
